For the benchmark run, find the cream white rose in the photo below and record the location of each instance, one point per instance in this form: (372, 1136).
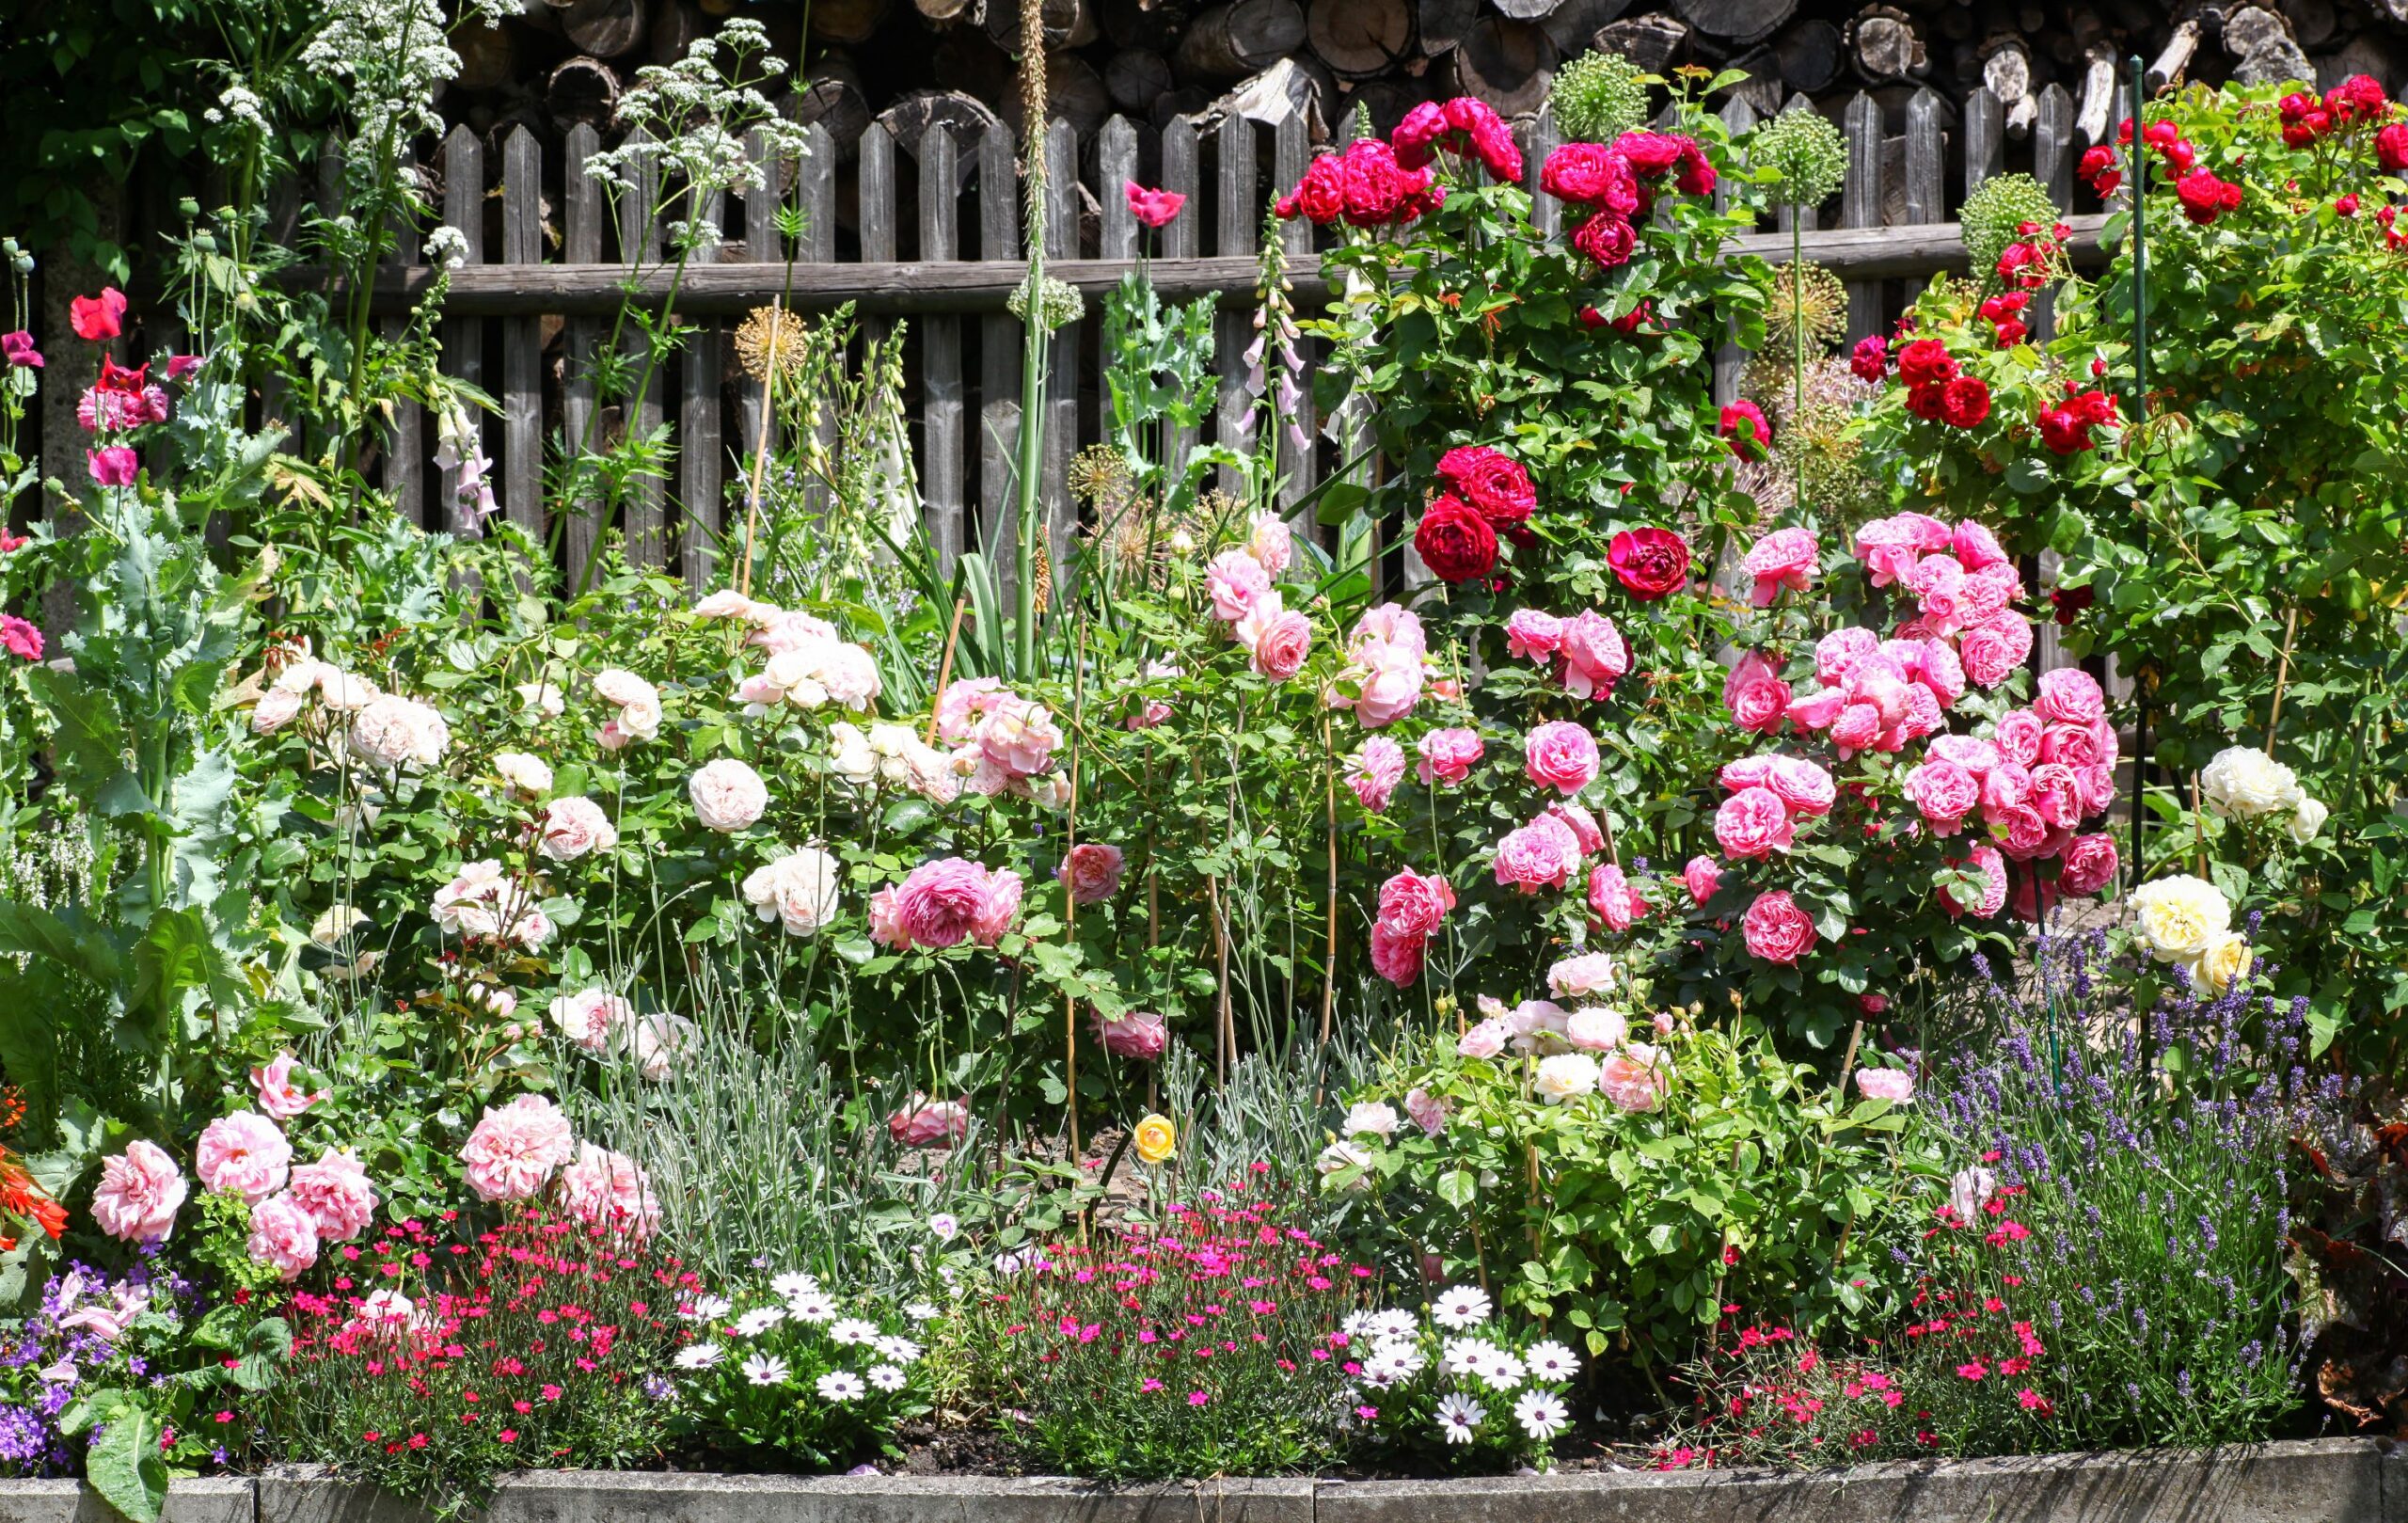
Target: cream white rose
(2246, 784)
(2307, 819)
(2226, 959)
(1372, 1117)
(1566, 1077)
(529, 775)
(2180, 917)
(799, 889)
(574, 827)
(728, 795)
(392, 731)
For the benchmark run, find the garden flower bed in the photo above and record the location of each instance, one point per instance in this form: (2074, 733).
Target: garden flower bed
(1656, 1003)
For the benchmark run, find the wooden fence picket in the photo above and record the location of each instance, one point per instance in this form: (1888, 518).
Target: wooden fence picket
(643, 516)
(582, 344)
(521, 466)
(940, 399)
(464, 338)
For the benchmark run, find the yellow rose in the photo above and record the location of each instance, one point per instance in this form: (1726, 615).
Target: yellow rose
(2180, 917)
(2225, 960)
(1156, 1137)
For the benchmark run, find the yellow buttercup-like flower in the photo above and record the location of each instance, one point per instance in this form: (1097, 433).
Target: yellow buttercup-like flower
(1156, 1137)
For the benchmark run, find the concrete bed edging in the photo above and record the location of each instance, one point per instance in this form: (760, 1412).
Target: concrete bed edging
(2319, 1481)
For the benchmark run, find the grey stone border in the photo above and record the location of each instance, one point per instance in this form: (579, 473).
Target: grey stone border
(2320, 1480)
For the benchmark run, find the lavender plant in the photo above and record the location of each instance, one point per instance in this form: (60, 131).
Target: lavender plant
(2129, 1164)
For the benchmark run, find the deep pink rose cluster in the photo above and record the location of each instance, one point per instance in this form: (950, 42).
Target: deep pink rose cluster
(944, 903)
(1586, 653)
(1617, 182)
(1412, 907)
(1365, 186)
(1383, 678)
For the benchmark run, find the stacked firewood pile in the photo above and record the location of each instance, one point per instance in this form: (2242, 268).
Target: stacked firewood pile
(913, 62)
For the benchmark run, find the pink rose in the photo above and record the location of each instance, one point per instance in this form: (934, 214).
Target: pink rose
(242, 1154)
(1428, 1111)
(1612, 899)
(2089, 865)
(728, 795)
(1944, 793)
(336, 1193)
(2070, 695)
(1976, 545)
(998, 910)
(1803, 786)
(1387, 692)
(1141, 1035)
(2022, 833)
(1757, 698)
(1585, 976)
(1897, 1086)
(1092, 872)
(1635, 1077)
(1842, 651)
(1584, 825)
(609, 1190)
(1413, 904)
(1019, 737)
(1562, 756)
(1971, 752)
(1753, 823)
(1532, 635)
(2018, 735)
(1702, 879)
(2097, 784)
(1857, 728)
(1235, 580)
(1597, 1028)
(2076, 745)
(1541, 854)
(1448, 755)
(1483, 1041)
(942, 902)
(1889, 550)
(2004, 787)
(139, 1194)
(2056, 793)
(1985, 859)
(1746, 772)
(964, 704)
(574, 827)
(886, 926)
(1276, 638)
(283, 1237)
(278, 1095)
(514, 1147)
(930, 1123)
(1776, 928)
(1819, 709)
(1940, 672)
(1396, 955)
(1784, 558)
(1593, 655)
(1373, 772)
(1269, 542)
(1993, 649)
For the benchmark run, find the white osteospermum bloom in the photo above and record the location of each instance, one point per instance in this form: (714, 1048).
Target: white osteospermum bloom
(851, 1330)
(699, 1355)
(1542, 1414)
(799, 889)
(813, 1306)
(1461, 1305)
(1393, 1360)
(1566, 1077)
(1551, 1361)
(1502, 1371)
(897, 1350)
(841, 1386)
(1371, 1118)
(920, 1310)
(766, 1370)
(887, 1377)
(1460, 1416)
(792, 1283)
(758, 1321)
(2179, 917)
(706, 1308)
(2243, 783)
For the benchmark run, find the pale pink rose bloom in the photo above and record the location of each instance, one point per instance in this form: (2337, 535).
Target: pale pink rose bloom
(616, 685)
(1635, 1077)
(1447, 689)
(1390, 624)
(1428, 1111)
(886, 926)
(278, 1095)
(1235, 582)
(2089, 865)
(1593, 655)
(1985, 859)
(592, 1018)
(1375, 771)
(658, 1041)
(336, 1193)
(963, 705)
(1585, 830)
(1888, 548)
(283, 1237)
(1448, 755)
(1483, 1041)
(2019, 733)
(1803, 786)
(1776, 930)
(276, 710)
(1944, 793)
(1751, 823)
(1530, 634)
(1784, 558)
(513, 1152)
(242, 1154)
(1541, 854)
(775, 631)
(1280, 646)
(1562, 756)
(1612, 899)
(1412, 904)
(850, 675)
(574, 827)
(727, 603)
(139, 1194)
(1596, 1029)
(930, 1123)
(1388, 689)
(1841, 652)
(997, 908)
(727, 794)
(1268, 541)
(1141, 1035)
(1897, 1086)
(1535, 1022)
(1703, 878)
(1020, 739)
(2070, 695)
(1584, 976)
(1092, 872)
(609, 1190)
(1397, 954)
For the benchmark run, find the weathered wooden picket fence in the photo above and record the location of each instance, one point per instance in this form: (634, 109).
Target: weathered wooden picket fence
(534, 302)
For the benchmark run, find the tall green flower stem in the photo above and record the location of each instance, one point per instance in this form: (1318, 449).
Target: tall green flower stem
(1033, 337)
(2137, 164)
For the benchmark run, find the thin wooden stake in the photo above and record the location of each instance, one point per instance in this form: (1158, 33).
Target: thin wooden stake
(945, 667)
(2282, 675)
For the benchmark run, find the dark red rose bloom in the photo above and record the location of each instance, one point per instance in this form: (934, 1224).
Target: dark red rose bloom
(2204, 197)
(2012, 332)
(1925, 401)
(1607, 238)
(1697, 176)
(1639, 319)
(2099, 168)
(2094, 407)
(1454, 541)
(1590, 174)
(1648, 562)
(2063, 432)
(1376, 184)
(1493, 483)
(2358, 97)
(2070, 602)
(1321, 195)
(1926, 362)
(1744, 427)
(1964, 401)
(1871, 360)
(2391, 147)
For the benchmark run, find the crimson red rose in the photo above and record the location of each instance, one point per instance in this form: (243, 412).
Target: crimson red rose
(1964, 401)
(2063, 432)
(1607, 238)
(1493, 483)
(2070, 602)
(1871, 360)
(2391, 146)
(1648, 562)
(1925, 402)
(1744, 426)
(2358, 97)
(1650, 154)
(1926, 362)
(2204, 197)
(1697, 177)
(2098, 167)
(1454, 541)
(1376, 185)
(1321, 195)
(1590, 174)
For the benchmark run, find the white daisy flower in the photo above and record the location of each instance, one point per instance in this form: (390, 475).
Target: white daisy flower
(793, 1283)
(920, 1310)
(1461, 1306)
(888, 1377)
(841, 1386)
(766, 1370)
(1390, 1362)
(1395, 1322)
(1551, 1361)
(1459, 1418)
(699, 1355)
(899, 1350)
(1542, 1414)
(813, 1306)
(1465, 1358)
(758, 1321)
(1502, 1372)
(851, 1330)
(706, 1308)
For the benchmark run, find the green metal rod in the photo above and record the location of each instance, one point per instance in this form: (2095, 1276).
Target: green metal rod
(2140, 415)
